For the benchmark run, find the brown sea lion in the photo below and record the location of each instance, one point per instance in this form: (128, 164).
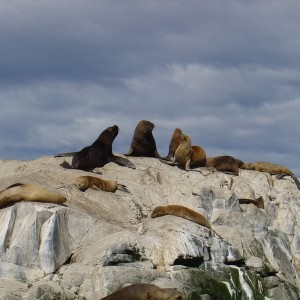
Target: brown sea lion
(259, 202)
(98, 154)
(198, 157)
(183, 153)
(225, 163)
(29, 192)
(273, 169)
(174, 143)
(143, 142)
(145, 292)
(198, 154)
(85, 182)
(181, 211)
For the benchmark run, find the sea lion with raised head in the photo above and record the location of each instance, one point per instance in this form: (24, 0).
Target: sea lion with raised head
(181, 211)
(143, 142)
(273, 169)
(85, 182)
(259, 202)
(145, 291)
(183, 153)
(174, 143)
(99, 153)
(29, 192)
(197, 157)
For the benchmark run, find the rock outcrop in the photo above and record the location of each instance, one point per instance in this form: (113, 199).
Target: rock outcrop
(98, 241)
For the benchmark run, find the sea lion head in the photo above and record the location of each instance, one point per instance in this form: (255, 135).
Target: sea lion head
(113, 130)
(158, 212)
(108, 135)
(145, 126)
(82, 183)
(177, 132)
(250, 166)
(184, 138)
(173, 294)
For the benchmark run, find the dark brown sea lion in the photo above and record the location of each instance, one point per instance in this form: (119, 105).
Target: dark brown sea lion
(225, 163)
(259, 202)
(85, 182)
(99, 153)
(143, 142)
(273, 169)
(145, 292)
(29, 192)
(181, 211)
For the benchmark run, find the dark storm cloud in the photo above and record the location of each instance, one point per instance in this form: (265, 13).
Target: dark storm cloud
(92, 40)
(228, 75)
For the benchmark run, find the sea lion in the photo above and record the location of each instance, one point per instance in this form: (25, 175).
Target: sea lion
(145, 291)
(273, 169)
(186, 155)
(174, 143)
(259, 202)
(181, 211)
(143, 142)
(99, 153)
(29, 192)
(225, 163)
(183, 153)
(197, 156)
(85, 182)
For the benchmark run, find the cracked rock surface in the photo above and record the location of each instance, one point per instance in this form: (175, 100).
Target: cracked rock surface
(100, 241)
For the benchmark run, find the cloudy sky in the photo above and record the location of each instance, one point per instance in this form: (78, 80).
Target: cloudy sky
(227, 75)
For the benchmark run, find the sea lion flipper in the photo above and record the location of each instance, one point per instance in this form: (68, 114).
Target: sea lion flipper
(280, 176)
(122, 161)
(64, 154)
(14, 185)
(187, 165)
(297, 182)
(66, 165)
(167, 158)
(123, 188)
(168, 162)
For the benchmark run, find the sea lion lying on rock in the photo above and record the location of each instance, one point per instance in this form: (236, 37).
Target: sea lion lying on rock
(29, 192)
(85, 182)
(145, 292)
(273, 169)
(181, 211)
(224, 163)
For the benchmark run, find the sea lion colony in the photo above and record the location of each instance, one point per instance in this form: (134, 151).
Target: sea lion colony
(181, 150)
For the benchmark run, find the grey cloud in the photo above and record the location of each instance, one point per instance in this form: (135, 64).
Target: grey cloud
(96, 40)
(227, 75)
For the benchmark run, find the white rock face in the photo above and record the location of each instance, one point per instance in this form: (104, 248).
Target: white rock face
(99, 241)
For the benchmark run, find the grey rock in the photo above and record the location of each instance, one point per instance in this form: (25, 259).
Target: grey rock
(99, 241)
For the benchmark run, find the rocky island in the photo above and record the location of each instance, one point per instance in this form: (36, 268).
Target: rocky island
(98, 242)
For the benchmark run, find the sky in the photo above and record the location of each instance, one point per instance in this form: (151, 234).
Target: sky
(226, 72)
